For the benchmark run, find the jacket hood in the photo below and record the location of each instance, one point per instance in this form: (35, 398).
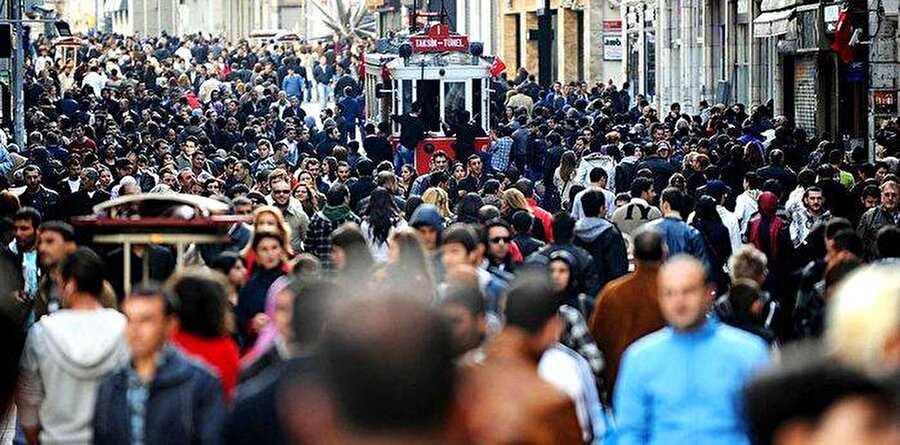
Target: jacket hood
(768, 203)
(590, 229)
(427, 215)
(89, 343)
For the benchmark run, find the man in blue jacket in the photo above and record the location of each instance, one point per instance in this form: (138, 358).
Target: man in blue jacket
(160, 396)
(682, 384)
(677, 234)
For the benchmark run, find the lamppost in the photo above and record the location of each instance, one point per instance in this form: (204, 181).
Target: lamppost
(18, 66)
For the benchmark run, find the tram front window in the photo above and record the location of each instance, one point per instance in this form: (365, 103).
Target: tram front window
(428, 96)
(454, 101)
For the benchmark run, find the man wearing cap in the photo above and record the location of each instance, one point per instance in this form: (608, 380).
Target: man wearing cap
(719, 191)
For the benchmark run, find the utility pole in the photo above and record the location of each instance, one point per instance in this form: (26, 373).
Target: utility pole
(545, 45)
(18, 73)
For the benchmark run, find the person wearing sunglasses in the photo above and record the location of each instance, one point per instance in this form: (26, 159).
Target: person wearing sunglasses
(500, 246)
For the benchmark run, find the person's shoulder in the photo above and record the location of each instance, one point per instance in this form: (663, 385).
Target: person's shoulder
(649, 345)
(741, 341)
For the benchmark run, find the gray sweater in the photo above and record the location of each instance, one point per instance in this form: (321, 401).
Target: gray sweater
(65, 357)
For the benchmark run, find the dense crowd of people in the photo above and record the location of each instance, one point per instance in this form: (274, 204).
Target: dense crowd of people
(599, 273)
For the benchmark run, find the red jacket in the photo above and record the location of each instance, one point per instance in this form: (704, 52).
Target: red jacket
(545, 217)
(221, 354)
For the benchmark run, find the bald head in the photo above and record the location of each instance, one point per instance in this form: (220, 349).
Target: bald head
(389, 366)
(684, 296)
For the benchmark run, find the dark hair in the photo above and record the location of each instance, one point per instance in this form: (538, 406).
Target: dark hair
(753, 180)
(201, 301)
(351, 240)
(313, 301)
(225, 261)
(804, 393)
(522, 222)
(848, 240)
(835, 225)
(259, 236)
(388, 366)
(591, 202)
(337, 195)
(563, 226)
(153, 290)
(598, 173)
(640, 185)
(468, 297)
(86, 268)
(63, 229)
(887, 242)
(530, 304)
(461, 234)
(675, 198)
(706, 210)
(381, 213)
(29, 213)
(648, 245)
(488, 213)
(526, 187)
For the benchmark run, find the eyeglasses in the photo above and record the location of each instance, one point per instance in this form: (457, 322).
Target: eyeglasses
(281, 192)
(497, 240)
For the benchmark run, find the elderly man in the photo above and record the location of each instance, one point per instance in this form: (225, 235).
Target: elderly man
(886, 214)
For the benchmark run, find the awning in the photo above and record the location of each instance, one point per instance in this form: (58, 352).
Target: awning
(771, 24)
(110, 6)
(775, 5)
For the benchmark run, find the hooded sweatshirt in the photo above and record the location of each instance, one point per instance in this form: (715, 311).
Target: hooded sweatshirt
(609, 257)
(65, 357)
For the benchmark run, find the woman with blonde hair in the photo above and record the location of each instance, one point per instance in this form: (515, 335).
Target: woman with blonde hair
(513, 201)
(268, 219)
(440, 199)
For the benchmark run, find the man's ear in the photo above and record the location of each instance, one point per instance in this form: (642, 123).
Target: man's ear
(173, 325)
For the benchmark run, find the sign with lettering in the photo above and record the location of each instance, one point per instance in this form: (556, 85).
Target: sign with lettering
(612, 47)
(439, 40)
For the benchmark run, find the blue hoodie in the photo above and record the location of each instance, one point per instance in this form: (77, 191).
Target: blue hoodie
(685, 387)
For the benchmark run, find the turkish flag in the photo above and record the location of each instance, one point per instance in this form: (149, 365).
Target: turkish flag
(497, 66)
(842, 34)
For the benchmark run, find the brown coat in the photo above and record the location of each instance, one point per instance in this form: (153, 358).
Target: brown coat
(627, 309)
(504, 401)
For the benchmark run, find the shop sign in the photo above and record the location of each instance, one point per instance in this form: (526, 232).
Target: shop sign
(612, 47)
(612, 26)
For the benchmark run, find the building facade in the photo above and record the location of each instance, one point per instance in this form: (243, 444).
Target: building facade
(231, 18)
(774, 52)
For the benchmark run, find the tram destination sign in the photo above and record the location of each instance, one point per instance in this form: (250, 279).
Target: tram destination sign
(439, 40)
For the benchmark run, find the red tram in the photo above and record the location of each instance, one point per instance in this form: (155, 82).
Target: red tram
(437, 68)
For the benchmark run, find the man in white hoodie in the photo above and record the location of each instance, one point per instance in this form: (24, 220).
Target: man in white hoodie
(66, 355)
